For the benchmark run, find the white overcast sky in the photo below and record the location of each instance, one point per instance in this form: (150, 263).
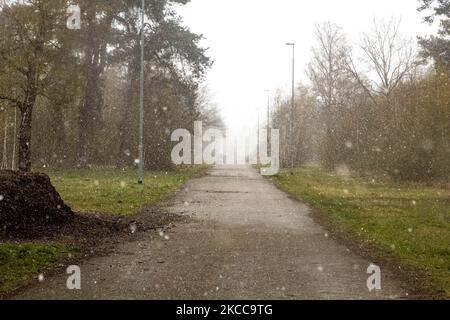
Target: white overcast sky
(246, 39)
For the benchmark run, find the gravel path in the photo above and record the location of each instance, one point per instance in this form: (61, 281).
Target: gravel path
(242, 239)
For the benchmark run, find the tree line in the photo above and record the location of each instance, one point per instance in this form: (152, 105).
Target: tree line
(71, 97)
(382, 107)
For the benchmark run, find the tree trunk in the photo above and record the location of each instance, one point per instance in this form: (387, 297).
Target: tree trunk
(25, 137)
(4, 165)
(85, 127)
(124, 131)
(13, 161)
(59, 143)
(89, 113)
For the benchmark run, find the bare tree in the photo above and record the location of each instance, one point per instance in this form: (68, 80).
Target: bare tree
(209, 111)
(328, 65)
(13, 161)
(329, 77)
(4, 165)
(389, 56)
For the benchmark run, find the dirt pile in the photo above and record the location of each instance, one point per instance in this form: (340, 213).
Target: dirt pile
(28, 200)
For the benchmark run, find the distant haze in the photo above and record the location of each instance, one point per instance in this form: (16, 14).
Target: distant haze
(247, 41)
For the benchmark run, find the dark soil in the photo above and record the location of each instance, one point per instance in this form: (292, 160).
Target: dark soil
(28, 201)
(91, 234)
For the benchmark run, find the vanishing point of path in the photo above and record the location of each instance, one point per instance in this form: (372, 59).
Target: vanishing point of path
(244, 239)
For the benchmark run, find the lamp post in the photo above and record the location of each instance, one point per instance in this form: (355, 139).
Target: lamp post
(258, 143)
(291, 142)
(141, 104)
(13, 161)
(268, 120)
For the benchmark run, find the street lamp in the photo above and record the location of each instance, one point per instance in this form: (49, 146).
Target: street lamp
(268, 119)
(141, 105)
(291, 142)
(258, 143)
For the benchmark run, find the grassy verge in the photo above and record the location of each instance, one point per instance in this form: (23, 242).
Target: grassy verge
(116, 192)
(19, 262)
(409, 223)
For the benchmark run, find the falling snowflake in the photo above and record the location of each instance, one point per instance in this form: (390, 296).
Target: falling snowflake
(428, 145)
(343, 170)
(41, 278)
(1, 197)
(133, 228)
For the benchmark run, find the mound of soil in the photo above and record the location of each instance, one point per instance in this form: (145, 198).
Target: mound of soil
(29, 201)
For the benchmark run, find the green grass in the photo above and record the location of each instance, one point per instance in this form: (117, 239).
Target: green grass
(408, 222)
(19, 262)
(115, 191)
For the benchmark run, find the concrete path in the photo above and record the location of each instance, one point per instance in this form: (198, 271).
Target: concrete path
(245, 240)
